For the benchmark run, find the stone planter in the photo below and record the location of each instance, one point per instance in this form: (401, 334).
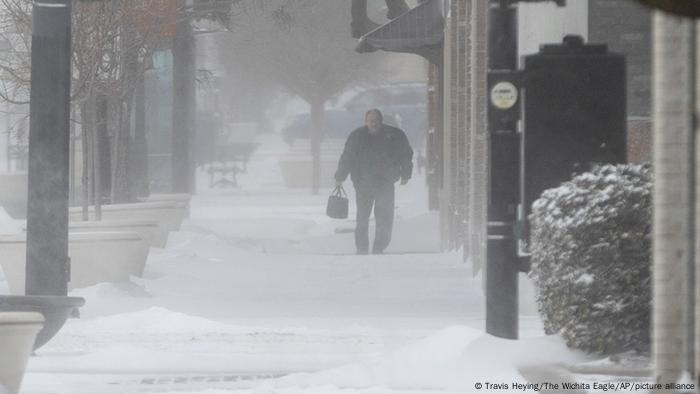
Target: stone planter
(147, 229)
(168, 214)
(13, 193)
(18, 331)
(55, 309)
(183, 198)
(96, 257)
(180, 197)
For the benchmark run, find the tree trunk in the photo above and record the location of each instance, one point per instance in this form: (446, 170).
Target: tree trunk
(120, 172)
(86, 131)
(122, 180)
(184, 74)
(317, 108)
(8, 139)
(102, 156)
(71, 161)
(139, 152)
(673, 185)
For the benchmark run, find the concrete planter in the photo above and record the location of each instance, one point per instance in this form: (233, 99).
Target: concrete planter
(182, 198)
(13, 193)
(56, 310)
(17, 334)
(96, 257)
(147, 229)
(168, 214)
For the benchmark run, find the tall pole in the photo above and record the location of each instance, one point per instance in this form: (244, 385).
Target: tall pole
(183, 102)
(501, 253)
(49, 137)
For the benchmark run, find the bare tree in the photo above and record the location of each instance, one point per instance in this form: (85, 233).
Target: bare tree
(111, 45)
(116, 47)
(304, 46)
(15, 35)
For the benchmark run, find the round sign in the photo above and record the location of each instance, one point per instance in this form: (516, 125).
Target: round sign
(504, 95)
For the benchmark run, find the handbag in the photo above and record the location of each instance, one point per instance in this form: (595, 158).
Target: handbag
(337, 207)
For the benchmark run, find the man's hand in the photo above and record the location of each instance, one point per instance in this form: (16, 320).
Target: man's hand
(404, 181)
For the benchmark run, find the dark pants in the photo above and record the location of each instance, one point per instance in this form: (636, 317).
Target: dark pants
(382, 198)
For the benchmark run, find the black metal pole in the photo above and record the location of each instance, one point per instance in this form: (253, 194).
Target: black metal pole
(501, 254)
(49, 137)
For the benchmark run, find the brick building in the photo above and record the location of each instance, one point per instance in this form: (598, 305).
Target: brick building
(459, 139)
(458, 142)
(626, 27)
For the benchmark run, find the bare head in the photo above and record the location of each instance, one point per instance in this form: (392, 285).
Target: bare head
(373, 120)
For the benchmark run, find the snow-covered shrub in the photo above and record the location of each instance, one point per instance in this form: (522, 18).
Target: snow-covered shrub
(591, 259)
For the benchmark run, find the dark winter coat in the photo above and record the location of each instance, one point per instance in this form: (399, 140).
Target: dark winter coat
(376, 159)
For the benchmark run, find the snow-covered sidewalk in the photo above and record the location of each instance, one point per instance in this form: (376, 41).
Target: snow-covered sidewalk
(259, 293)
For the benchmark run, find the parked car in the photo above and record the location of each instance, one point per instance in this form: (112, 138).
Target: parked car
(403, 105)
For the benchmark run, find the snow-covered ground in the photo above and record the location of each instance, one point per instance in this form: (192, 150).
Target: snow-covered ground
(260, 293)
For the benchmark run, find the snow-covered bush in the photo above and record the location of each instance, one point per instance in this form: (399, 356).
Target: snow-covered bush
(591, 259)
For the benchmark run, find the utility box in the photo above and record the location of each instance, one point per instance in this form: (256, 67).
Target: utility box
(575, 113)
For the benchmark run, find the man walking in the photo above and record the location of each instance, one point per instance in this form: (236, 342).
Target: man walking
(376, 156)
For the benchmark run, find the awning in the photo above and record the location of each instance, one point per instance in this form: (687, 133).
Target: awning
(421, 31)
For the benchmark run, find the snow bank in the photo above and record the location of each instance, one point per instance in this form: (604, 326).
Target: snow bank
(327, 389)
(455, 358)
(154, 320)
(218, 302)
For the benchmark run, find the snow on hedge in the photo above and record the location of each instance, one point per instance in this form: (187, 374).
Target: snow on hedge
(591, 246)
